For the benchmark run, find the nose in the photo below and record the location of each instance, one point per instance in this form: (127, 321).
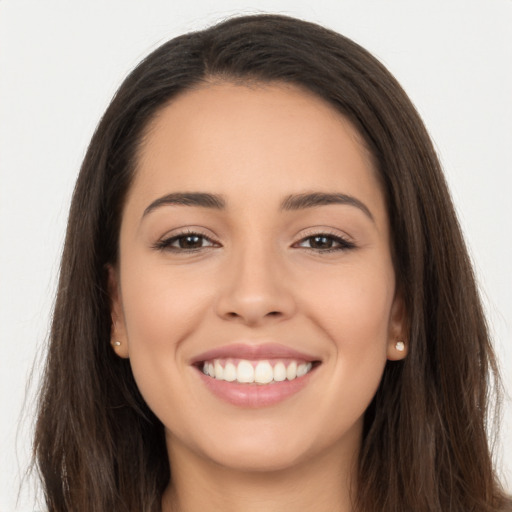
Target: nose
(254, 289)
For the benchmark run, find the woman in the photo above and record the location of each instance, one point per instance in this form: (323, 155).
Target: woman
(265, 300)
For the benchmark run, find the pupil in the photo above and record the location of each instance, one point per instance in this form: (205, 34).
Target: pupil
(190, 241)
(322, 242)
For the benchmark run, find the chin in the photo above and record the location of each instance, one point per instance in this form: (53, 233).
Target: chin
(258, 459)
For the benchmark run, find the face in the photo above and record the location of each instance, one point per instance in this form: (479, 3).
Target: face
(255, 293)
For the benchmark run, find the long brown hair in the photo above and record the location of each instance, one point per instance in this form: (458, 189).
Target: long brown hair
(97, 445)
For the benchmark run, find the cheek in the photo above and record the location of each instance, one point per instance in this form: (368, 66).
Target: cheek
(162, 307)
(355, 316)
(354, 306)
(161, 304)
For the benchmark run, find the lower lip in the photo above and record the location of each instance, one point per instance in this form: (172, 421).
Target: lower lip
(255, 395)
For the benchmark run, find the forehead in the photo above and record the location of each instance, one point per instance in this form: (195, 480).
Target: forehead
(241, 140)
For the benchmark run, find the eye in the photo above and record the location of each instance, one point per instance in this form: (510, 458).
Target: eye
(185, 242)
(325, 242)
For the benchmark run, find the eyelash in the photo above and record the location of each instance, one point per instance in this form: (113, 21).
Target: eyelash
(166, 243)
(343, 243)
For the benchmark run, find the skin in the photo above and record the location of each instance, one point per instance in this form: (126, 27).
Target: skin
(260, 279)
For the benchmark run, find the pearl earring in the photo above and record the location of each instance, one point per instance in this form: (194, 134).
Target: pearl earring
(116, 343)
(400, 346)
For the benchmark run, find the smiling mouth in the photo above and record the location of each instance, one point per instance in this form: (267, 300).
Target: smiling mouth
(260, 372)
(250, 375)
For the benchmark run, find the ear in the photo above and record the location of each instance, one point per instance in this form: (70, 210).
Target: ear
(118, 338)
(398, 344)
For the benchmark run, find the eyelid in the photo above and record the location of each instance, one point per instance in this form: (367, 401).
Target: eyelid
(343, 241)
(165, 242)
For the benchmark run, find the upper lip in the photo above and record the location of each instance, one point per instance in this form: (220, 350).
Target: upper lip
(252, 352)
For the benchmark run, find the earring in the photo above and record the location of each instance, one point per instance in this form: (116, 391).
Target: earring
(400, 346)
(116, 343)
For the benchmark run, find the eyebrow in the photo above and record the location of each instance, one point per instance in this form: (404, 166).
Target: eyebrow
(291, 203)
(312, 200)
(200, 199)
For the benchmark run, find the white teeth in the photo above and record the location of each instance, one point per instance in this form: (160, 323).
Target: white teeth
(248, 372)
(230, 372)
(291, 371)
(301, 369)
(263, 374)
(245, 372)
(279, 372)
(219, 371)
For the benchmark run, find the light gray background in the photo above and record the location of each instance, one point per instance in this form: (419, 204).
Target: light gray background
(61, 62)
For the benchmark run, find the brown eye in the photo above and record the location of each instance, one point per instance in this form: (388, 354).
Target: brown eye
(185, 242)
(323, 242)
(190, 241)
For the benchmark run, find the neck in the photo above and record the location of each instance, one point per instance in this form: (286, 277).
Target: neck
(324, 483)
